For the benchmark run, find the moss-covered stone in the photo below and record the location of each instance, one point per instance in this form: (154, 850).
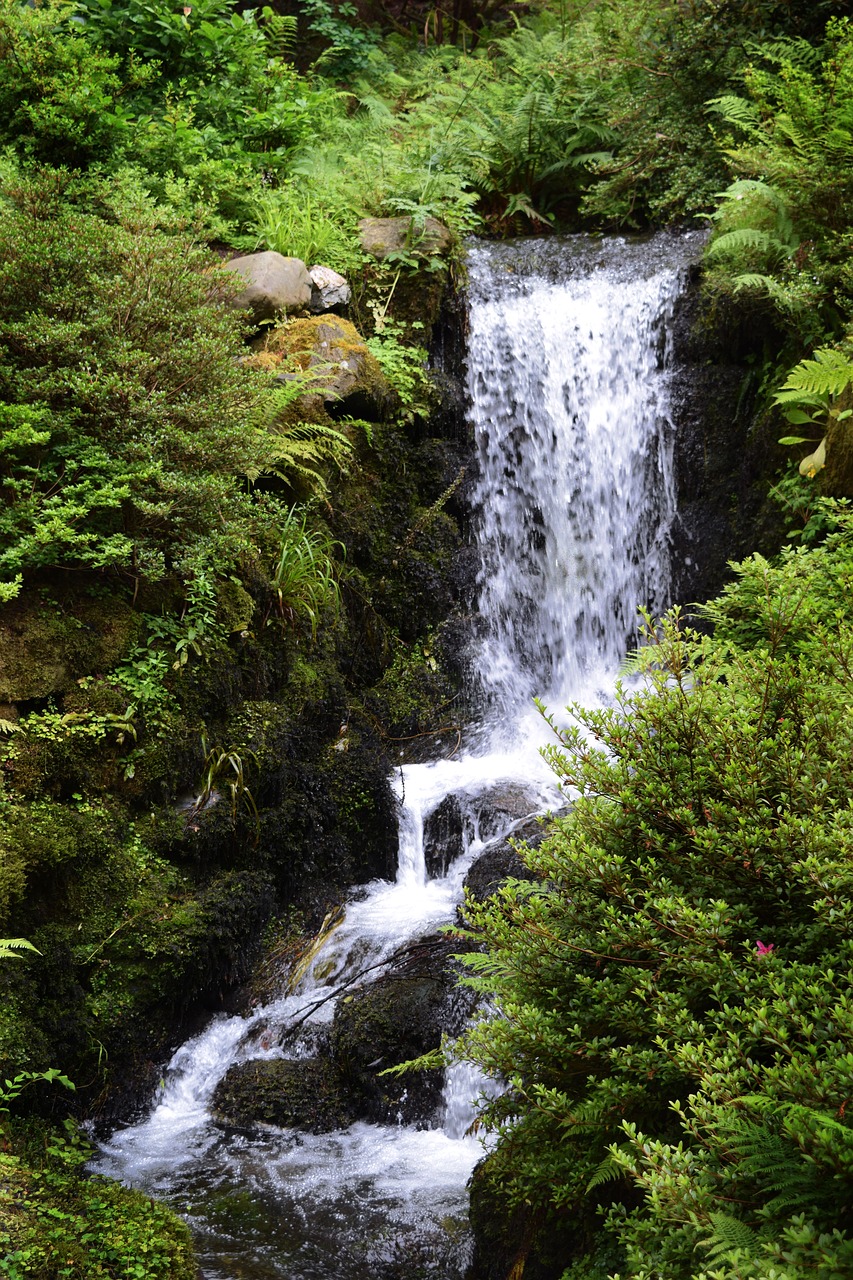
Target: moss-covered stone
(398, 1017)
(305, 1094)
(51, 638)
(346, 377)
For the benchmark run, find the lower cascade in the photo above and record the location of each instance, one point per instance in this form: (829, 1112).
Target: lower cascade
(569, 375)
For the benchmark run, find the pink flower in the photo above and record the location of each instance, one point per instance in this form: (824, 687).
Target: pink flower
(763, 949)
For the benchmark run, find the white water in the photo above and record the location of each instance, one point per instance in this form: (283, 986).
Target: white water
(568, 379)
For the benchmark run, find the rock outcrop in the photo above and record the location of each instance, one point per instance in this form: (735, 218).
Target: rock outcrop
(348, 378)
(273, 285)
(384, 237)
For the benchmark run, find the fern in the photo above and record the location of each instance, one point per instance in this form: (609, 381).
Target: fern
(609, 1170)
(731, 1239)
(757, 282)
(731, 242)
(738, 112)
(828, 374)
(299, 451)
(9, 948)
(744, 188)
(280, 30)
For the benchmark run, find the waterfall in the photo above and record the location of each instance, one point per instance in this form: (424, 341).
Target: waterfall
(569, 375)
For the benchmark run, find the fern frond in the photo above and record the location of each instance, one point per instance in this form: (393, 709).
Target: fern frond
(829, 374)
(732, 242)
(280, 30)
(300, 449)
(755, 280)
(737, 111)
(9, 948)
(743, 188)
(730, 1236)
(608, 1171)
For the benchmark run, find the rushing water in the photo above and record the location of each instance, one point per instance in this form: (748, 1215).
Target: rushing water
(569, 376)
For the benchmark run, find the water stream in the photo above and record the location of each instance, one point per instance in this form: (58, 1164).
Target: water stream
(569, 377)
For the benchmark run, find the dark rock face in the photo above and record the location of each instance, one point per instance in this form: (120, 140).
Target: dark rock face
(400, 1016)
(449, 829)
(43, 651)
(306, 1094)
(501, 808)
(499, 861)
(444, 836)
(725, 456)
(378, 1025)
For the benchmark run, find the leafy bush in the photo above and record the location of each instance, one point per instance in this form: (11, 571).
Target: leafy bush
(126, 420)
(55, 1221)
(673, 1023)
(60, 99)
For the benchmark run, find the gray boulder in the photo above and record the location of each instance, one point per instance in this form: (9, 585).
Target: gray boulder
(273, 284)
(382, 237)
(328, 289)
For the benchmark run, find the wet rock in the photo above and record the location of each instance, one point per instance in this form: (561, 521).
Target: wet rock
(328, 289)
(459, 818)
(499, 861)
(273, 284)
(382, 237)
(500, 808)
(306, 1094)
(444, 836)
(400, 1016)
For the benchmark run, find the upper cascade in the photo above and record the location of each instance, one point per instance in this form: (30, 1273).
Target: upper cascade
(569, 375)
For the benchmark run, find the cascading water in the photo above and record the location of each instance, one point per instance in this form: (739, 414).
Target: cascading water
(568, 382)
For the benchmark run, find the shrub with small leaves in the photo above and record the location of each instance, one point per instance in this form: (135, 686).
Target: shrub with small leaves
(673, 1019)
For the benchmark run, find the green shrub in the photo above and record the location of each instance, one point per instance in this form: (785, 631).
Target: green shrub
(674, 1025)
(60, 99)
(126, 419)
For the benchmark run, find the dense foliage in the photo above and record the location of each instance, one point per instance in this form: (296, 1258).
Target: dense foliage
(55, 1223)
(673, 989)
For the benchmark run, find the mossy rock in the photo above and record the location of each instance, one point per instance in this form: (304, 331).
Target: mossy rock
(306, 1094)
(49, 640)
(384, 1023)
(347, 377)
